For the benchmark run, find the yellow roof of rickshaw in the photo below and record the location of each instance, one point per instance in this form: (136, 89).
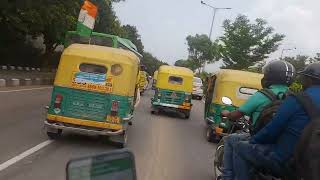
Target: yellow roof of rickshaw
(237, 76)
(102, 53)
(175, 70)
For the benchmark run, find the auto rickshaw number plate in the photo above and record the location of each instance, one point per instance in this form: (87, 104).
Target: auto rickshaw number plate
(113, 119)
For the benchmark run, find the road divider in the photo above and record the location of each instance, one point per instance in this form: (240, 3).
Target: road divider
(3, 83)
(26, 82)
(14, 82)
(23, 155)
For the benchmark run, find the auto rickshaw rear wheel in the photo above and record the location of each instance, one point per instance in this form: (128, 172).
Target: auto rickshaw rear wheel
(54, 135)
(119, 141)
(187, 114)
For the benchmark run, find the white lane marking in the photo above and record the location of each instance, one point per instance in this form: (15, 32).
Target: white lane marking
(28, 152)
(30, 89)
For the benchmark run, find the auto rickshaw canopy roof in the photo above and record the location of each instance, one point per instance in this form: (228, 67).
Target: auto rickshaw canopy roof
(166, 71)
(236, 85)
(175, 70)
(76, 54)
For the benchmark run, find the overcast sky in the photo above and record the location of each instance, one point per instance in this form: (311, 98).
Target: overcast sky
(164, 24)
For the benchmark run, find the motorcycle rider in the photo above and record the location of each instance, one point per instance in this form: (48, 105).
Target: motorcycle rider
(278, 76)
(272, 147)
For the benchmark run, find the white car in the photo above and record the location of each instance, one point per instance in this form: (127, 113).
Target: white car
(197, 91)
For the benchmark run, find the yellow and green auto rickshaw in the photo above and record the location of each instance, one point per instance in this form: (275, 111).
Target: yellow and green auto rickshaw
(93, 92)
(173, 90)
(227, 90)
(143, 81)
(154, 81)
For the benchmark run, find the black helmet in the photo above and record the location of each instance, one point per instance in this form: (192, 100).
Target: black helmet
(312, 71)
(278, 72)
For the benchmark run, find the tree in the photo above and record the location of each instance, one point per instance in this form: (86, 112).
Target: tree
(315, 59)
(151, 62)
(186, 63)
(244, 43)
(132, 34)
(299, 62)
(257, 68)
(200, 50)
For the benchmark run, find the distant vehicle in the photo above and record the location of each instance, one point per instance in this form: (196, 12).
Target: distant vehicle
(197, 91)
(173, 90)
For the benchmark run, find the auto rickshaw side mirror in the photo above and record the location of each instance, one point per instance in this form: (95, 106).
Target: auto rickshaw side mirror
(117, 164)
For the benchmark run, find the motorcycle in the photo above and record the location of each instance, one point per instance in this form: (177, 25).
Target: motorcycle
(242, 126)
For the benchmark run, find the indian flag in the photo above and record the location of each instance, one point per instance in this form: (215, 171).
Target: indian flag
(87, 17)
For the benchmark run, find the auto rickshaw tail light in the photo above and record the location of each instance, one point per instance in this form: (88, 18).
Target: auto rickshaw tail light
(58, 101)
(114, 108)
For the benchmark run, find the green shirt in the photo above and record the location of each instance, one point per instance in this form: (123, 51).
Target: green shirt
(254, 105)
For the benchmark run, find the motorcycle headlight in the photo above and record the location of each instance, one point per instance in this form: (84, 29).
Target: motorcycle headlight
(226, 100)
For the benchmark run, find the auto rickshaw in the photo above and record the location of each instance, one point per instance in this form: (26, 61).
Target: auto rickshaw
(173, 90)
(143, 79)
(227, 90)
(94, 92)
(155, 75)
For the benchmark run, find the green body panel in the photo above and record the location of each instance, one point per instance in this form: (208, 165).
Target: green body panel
(214, 113)
(88, 105)
(165, 96)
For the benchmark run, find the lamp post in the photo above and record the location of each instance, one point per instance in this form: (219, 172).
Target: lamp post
(215, 9)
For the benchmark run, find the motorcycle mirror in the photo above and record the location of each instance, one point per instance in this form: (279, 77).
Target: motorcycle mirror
(113, 165)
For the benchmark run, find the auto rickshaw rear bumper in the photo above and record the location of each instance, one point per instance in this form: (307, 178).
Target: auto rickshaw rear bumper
(84, 126)
(185, 107)
(81, 129)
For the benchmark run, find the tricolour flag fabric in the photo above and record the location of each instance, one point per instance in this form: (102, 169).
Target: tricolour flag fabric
(87, 17)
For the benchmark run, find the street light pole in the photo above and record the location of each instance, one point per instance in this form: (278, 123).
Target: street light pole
(213, 18)
(215, 9)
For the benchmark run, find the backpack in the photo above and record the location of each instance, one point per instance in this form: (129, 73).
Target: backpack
(269, 110)
(307, 150)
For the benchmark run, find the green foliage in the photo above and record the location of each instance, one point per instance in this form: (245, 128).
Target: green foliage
(151, 62)
(186, 63)
(201, 50)
(244, 43)
(51, 20)
(299, 62)
(132, 34)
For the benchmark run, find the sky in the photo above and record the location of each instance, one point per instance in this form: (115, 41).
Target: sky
(165, 24)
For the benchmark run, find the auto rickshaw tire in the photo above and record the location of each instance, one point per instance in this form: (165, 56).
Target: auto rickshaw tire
(121, 142)
(187, 114)
(53, 135)
(155, 111)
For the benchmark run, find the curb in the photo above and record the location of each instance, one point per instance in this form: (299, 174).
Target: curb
(14, 82)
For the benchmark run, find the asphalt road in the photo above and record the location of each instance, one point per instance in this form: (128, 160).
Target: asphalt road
(166, 146)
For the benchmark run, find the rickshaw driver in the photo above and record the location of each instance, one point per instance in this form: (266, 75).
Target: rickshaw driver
(278, 76)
